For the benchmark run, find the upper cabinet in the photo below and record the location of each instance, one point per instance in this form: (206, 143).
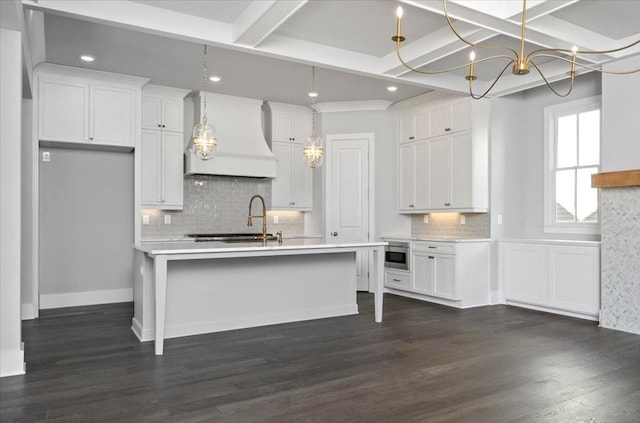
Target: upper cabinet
(162, 147)
(447, 168)
(286, 129)
(80, 106)
(412, 125)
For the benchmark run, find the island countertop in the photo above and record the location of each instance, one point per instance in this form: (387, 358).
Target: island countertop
(290, 246)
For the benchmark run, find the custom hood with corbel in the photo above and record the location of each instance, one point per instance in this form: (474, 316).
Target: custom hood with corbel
(242, 149)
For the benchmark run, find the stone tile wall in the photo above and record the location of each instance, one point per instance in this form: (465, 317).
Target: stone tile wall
(216, 204)
(447, 225)
(620, 258)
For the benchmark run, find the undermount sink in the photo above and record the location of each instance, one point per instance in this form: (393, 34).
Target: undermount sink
(231, 237)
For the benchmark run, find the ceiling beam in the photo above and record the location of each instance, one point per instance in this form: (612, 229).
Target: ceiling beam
(261, 18)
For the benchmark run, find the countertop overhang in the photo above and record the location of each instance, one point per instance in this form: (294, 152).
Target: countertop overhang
(288, 246)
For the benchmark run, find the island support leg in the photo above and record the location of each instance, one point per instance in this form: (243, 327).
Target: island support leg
(160, 267)
(378, 264)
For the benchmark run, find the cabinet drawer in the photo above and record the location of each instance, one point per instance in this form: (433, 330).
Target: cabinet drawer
(396, 280)
(434, 247)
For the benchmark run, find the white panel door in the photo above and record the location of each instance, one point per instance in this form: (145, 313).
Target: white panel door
(172, 114)
(113, 116)
(281, 184)
(406, 176)
(574, 278)
(172, 169)
(64, 111)
(445, 282)
(525, 273)
(151, 168)
(348, 203)
(461, 195)
(439, 173)
(301, 179)
(151, 112)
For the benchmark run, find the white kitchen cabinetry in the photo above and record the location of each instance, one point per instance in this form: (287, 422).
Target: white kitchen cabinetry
(162, 147)
(557, 276)
(84, 107)
(450, 117)
(454, 273)
(412, 124)
(450, 171)
(398, 279)
(286, 129)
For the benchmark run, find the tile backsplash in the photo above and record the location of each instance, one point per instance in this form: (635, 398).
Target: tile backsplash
(216, 204)
(447, 225)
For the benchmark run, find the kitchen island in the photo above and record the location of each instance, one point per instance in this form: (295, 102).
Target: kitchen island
(189, 288)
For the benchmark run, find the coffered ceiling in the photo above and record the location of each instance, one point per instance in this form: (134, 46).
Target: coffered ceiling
(265, 48)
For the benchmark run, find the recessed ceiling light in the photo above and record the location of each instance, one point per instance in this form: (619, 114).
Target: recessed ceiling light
(87, 58)
(313, 94)
(215, 78)
(392, 88)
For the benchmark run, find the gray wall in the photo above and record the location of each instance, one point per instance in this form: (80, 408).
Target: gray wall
(517, 157)
(86, 221)
(383, 125)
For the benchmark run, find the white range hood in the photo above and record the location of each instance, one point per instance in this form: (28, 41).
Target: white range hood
(242, 149)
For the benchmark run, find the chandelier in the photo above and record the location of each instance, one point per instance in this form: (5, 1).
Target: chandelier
(518, 61)
(313, 150)
(204, 135)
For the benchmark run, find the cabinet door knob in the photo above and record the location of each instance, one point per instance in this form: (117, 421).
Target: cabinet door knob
(163, 126)
(447, 129)
(334, 234)
(430, 257)
(410, 205)
(411, 137)
(159, 126)
(447, 204)
(431, 246)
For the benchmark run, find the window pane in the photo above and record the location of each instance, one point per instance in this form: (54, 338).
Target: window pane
(587, 198)
(565, 196)
(567, 141)
(589, 130)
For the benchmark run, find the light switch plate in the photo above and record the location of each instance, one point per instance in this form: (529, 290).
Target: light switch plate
(167, 219)
(276, 220)
(426, 218)
(46, 156)
(145, 219)
(463, 219)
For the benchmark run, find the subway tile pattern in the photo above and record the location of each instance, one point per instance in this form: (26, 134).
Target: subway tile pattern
(447, 225)
(620, 259)
(216, 204)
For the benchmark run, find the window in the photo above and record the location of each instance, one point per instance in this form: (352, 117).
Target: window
(572, 154)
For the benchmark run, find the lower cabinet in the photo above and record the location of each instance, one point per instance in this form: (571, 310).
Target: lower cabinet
(562, 277)
(446, 272)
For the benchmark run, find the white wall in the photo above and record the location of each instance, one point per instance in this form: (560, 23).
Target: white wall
(620, 119)
(11, 353)
(519, 121)
(383, 125)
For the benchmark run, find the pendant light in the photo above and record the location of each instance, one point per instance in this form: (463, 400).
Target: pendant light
(313, 150)
(204, 135)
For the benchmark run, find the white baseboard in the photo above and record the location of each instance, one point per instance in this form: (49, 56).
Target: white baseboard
(73, 299)
(27, 311)
(586, 316)
(12, 363)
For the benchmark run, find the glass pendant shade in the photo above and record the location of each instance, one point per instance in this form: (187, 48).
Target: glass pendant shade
(313, 151)
(204, 139)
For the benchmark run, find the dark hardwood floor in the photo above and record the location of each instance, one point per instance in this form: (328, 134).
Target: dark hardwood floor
(424, 363)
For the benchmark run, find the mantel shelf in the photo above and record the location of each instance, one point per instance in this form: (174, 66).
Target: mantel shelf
(625, 178)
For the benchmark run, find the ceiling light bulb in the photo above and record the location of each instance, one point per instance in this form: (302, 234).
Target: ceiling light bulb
(399, 12)
(313, 94)
(392, 88)
(214, 78)
(87, 58)
(472, 56)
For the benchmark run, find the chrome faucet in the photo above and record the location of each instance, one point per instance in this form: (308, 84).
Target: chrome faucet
(264, 217)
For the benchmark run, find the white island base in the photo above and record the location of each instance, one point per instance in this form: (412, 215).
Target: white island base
(189, 289)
